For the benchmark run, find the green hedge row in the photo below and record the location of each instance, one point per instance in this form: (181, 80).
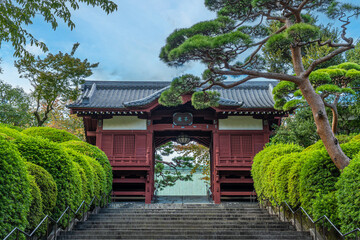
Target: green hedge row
(309, 178)
(44, 170)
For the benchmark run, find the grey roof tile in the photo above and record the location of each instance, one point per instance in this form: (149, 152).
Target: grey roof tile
(122, 94)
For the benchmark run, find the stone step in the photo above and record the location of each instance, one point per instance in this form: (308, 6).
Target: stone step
(200, 237)
(181, 224)
(183, 221)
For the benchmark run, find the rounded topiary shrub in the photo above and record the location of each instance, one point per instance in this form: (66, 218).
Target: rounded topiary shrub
(15, 197)
(47, 186)
(282, 174)
(81, 174)
(351, 149)
(57, 162)
(35, 214)
(82, 160)
(263, 160)
(52, 134)
(97, 154)
(294, 179)
(348, 196)
(319, 145)
(318, 177)
(13, 133)
(100, 183)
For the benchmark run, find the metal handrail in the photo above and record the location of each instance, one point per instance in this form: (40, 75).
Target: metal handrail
(302, 210)
(67, 211)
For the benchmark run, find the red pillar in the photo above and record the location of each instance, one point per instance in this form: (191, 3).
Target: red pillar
(149, 186)
(215, 185)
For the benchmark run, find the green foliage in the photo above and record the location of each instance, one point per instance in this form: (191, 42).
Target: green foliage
(351, 149)
(202, 100)
(261, 171)
(47, 186)
(83, 161)
(354, 54)
(298, 128)
(54, 159)
(94, 152)
(52, 134)
(100, 182)
(15, 196)
(168, 173)
(294, 179)
(14, 105)
(83, 183)
(35, 214)
(18, 15)
(56, 77)
(326, 204)
(282, 175)
(11, 132)
(317, 178)
(348, 196)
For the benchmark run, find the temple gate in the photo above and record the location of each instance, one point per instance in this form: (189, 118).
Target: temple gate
(125, 120)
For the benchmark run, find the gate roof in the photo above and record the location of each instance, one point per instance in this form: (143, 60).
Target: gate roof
(125, 94)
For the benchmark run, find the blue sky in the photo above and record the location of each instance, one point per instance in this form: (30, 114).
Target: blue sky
(126, 43)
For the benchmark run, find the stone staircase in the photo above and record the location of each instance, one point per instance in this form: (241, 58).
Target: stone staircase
(183, 221)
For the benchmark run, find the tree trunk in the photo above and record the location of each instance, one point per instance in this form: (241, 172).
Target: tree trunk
(323, 127)
(334, 120)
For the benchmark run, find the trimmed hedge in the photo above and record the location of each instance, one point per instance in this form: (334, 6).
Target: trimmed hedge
(100, 183)
(52, 134)
(348, 196)
(13, 133)
(97, 154)
(15, 196)
(54, 159)
(263, 160)
(88, 186)
(318, 176)
(294, 179)
(47, 186)
(36, 214)
(282, 175)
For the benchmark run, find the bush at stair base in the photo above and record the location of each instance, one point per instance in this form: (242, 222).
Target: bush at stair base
(35, 214)
(15, 195)
(82, 160)
(54, 159)
(260, 172)
(47, 186)
(52, 134)
(318, 177)
(97, 154)
(348, 196)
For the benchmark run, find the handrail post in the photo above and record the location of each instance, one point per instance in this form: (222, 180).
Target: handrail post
(301, 220)
(323, 226)
(55, 230)
(315, 230)
(17, 234)
(68, 220)
(284, 212)
(83, 218)
(47, 227)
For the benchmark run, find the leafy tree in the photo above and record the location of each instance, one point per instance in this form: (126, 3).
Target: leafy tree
(17, 15)
(331, 84)
(61, 118)
(56, 77)
(167, 176)
(241, 32)
(298, 128)
(354, 54)
(14, 105)
(201, 156)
